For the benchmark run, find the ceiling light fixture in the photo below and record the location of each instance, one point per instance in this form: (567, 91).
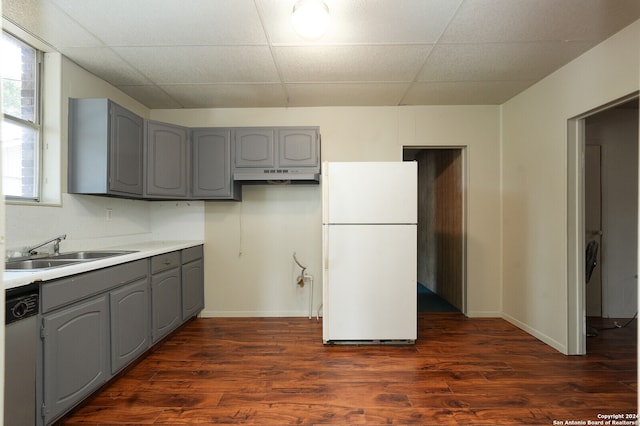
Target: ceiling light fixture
(310, 18)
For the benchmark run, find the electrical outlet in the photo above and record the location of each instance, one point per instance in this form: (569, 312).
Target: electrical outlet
(109, 214)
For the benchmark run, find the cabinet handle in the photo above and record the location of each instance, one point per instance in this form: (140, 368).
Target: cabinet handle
(166, 262)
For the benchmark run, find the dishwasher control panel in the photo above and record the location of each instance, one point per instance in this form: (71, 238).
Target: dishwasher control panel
(21, 303)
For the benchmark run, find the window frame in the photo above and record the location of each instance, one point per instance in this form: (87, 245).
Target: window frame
(36, 125)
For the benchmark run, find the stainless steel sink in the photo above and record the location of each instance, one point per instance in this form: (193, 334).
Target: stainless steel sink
(62, 259)
(37, 264)
(90, 255)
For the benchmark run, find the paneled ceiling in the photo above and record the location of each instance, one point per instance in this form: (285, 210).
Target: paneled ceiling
(244, 53)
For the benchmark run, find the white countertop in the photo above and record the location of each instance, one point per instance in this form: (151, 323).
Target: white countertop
(141, 250)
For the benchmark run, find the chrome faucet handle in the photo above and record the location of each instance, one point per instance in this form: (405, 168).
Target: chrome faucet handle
(56, 246)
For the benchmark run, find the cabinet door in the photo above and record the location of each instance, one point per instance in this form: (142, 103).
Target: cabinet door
(298, 148)
(125, 144)
(192, 288)
(254, 148)
(211, 161)
(166, 306)
(75, 354)
(88, 146)
(129, 323)
(167, 160)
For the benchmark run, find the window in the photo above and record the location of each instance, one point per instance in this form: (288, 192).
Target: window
(21, 133)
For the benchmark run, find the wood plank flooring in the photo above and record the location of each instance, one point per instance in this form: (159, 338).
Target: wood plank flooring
(461, 371)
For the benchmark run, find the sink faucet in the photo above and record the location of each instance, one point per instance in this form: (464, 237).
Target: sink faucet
(56, 245)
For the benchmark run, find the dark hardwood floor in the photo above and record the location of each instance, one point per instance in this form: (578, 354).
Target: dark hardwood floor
(461, 371)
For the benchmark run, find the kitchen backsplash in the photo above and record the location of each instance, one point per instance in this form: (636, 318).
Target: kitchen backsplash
(91, 222)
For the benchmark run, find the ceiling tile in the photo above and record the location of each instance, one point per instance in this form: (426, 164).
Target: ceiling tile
(106, 64)
(202, 64)
(396, 63)
(46, 22)
(539, 20)
(366, 21)
(168, 22)
(498, 61)
(345, 94)
(463, 92)
(228, 95)
(152, 97)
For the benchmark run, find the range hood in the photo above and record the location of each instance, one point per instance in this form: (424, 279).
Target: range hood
(278, 176)
(276, 155)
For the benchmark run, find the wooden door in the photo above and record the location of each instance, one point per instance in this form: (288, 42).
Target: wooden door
(441, 223)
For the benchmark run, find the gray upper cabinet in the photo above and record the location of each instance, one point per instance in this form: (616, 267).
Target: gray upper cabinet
(166, 160)
(114, 152)
(105, 149)
(254, 147)
(298, 147)
(211, 164)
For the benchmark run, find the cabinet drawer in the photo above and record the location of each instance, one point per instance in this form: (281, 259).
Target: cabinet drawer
(58, 293)
(191, 254)
(165, 261)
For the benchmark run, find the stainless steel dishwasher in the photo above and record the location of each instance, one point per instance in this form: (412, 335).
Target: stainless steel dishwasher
(21, 338)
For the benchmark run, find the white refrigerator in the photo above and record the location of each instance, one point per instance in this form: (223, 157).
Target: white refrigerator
(369, 218)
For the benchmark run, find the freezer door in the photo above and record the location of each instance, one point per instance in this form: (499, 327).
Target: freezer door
(370, 192)
(370, 283)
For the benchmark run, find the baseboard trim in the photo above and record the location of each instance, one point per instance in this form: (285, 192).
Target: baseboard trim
(537, 334)
(252, 314)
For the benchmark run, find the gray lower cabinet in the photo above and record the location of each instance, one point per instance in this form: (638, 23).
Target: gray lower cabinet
(166, 304)
(129, 323)
(77, 317)
(95, 323)
(166, 161)
(192, 282)
(75, 354)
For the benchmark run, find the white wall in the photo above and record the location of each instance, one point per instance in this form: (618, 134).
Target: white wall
(534, 181)
(249, 267)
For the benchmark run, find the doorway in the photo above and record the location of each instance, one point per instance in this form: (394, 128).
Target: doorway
(602, 207)
(441, 227)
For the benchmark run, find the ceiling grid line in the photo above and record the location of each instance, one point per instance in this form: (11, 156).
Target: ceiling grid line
(275, 63)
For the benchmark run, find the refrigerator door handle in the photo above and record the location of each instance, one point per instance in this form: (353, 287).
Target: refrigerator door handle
(325, 255)
(325, 193)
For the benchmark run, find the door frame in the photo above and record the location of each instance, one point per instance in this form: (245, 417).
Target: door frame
(576, 295)
(465, 185)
